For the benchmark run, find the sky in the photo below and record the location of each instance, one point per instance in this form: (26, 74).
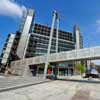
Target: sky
(85, 13)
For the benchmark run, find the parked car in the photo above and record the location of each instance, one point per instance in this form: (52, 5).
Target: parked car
(92, 73)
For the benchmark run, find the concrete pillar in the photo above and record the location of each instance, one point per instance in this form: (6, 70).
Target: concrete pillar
(27, 41)
(58, 71)
(57, 34)
(21, 70)
(37, 70)
(52, 69)
(77, 37)
(25, 32)
(27, 72)
(88, 64)
(49, 46)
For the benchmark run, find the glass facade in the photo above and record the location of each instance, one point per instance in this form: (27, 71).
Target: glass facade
(39, 40)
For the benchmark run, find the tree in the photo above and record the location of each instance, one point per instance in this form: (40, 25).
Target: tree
(80, 68)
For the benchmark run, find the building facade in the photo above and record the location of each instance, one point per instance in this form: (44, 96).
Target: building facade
(39, 40)
(32, 39)
(5, 55)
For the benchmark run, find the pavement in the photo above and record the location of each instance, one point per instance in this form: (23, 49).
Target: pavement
(15, 82)
(63, 89)
(80, 78)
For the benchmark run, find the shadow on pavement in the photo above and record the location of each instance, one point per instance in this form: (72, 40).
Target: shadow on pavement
(81, 81)
(23, 86)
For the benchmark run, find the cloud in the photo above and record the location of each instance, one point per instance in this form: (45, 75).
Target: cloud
(10, 8)
(98, 25)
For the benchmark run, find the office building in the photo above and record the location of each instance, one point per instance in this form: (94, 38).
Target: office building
(32, 40)
(5, 56)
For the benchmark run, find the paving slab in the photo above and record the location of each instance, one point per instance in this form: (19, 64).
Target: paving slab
(54, 90)
(9, 83)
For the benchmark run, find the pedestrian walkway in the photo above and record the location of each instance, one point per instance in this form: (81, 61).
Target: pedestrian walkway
(55, 90)
(13, 82)
(78, 77)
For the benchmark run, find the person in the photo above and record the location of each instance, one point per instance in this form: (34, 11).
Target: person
(49, 71)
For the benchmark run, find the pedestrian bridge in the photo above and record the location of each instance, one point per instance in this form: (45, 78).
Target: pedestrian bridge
(81, 54)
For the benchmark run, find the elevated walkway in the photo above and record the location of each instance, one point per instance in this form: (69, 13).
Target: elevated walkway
(82, 54)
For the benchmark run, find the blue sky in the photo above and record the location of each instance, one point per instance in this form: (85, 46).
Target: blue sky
(85, 13)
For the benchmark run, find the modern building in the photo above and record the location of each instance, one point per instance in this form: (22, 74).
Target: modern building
(5, 55)
(32, 39)
(40, 34)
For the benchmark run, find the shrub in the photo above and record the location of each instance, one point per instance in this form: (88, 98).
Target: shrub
(80, 68)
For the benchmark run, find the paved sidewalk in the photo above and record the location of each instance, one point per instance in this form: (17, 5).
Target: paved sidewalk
(55, 90)
(52, 90)
(13, 82)
(78, 77)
